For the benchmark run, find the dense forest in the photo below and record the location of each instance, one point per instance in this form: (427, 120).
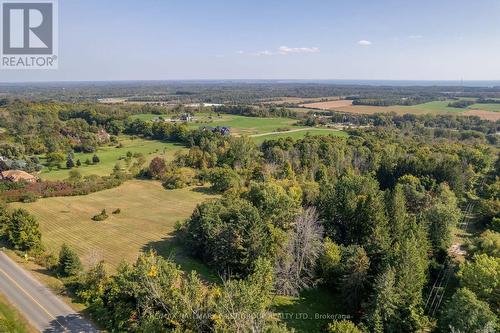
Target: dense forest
(370, 218)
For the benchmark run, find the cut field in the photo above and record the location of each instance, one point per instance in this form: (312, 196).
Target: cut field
(258, 128)
(328, 105)
(110, 155)
(488, 115)
(484, 111)
(297, 134)
(493, 107)
(300, 100)
(239, 125)
(147, 219)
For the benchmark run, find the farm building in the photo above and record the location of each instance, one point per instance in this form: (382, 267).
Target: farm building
(186, 117)
(17, 176)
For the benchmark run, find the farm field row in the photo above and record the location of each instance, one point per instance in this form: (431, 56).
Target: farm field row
(146, 221)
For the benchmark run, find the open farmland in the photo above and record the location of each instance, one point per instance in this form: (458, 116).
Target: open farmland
(147, 218)
(240, 125)
(257, 128)
(110, 155)
(328, 105)
(297, 134)
(485, 111)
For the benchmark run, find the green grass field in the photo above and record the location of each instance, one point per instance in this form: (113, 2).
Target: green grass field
(487, 107)
(10, 319)
(147, 219)
(298, 134)
(434, 107)
(239, 125)
(109, 156)
(253, 126)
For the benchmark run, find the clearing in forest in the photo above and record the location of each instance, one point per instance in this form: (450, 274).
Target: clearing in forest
(147, 217)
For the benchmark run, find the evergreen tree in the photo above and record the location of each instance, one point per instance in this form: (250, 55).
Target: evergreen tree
(69, 163)
(69, 263)
(95, 159)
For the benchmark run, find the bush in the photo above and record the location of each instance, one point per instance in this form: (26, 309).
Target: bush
(95, 159)
(29, 197)
(101, 216)
(179, 178)
(117, 211)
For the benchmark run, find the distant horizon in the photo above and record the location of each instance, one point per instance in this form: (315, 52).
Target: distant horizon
(368, 82)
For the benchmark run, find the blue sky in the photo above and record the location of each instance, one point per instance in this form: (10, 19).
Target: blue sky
(329, 39)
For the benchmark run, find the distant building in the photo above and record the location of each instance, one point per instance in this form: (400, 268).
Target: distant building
(186, 117)
(103, 135)
(17, 176)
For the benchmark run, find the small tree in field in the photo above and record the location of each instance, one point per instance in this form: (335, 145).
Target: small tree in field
(157, 167)
(69, 163)
(95, 159)
(69, 263)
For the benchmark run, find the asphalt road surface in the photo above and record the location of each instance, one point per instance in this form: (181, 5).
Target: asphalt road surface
(44, 310)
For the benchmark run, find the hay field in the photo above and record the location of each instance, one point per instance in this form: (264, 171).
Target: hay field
(147, 219)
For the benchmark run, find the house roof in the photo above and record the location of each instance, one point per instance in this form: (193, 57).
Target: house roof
(18, 175)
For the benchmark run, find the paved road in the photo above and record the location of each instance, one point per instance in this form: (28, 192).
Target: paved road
(44, 310)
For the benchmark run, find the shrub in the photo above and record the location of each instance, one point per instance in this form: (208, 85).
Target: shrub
(95, 159)
(117, 211)
(29, 197)
(179, 178)
(101, 216)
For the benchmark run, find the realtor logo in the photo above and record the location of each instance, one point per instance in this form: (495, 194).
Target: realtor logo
(29, 34)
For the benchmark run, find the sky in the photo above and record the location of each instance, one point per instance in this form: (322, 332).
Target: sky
(310, 39)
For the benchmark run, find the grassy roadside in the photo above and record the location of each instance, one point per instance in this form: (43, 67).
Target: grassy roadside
(11, 320)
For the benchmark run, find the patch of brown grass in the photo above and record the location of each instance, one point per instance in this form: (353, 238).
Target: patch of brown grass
(328, 105)
(483, 114)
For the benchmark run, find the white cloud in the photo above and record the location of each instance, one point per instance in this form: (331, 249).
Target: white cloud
(288, 50)
(364, 42)
(282, 50)
(262, 53)
(415, 36)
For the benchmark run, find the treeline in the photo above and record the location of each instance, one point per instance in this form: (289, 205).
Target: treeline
(255, 111)
(406, 121)
(388, 101)
(461, 104)
(233, 92)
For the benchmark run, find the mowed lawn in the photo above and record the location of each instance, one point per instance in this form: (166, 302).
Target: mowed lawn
(487, 107)
(110, 155)
(298, 134)
(239, 125)
(147, 219)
